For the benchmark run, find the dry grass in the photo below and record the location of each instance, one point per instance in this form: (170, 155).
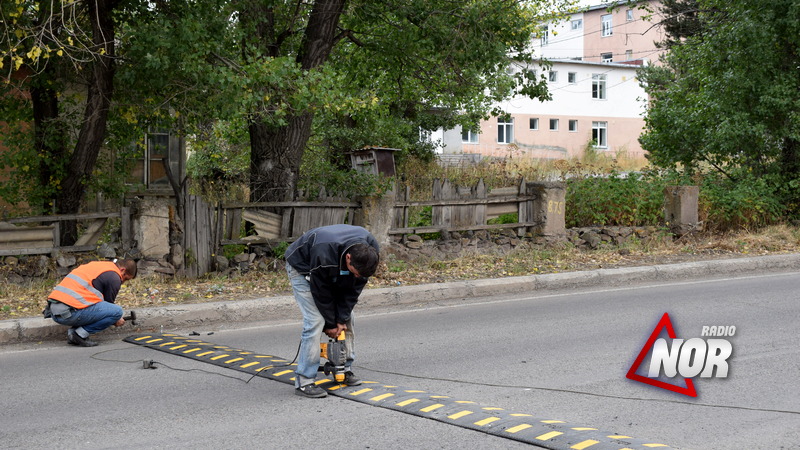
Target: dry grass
(27, 299)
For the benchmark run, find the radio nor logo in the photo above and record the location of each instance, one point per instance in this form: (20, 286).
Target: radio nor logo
(674, 358)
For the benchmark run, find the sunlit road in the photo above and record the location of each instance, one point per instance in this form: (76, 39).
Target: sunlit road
(542, 354)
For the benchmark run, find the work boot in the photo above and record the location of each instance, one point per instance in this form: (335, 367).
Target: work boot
(75, 339)
(350, 379)
(311, 391)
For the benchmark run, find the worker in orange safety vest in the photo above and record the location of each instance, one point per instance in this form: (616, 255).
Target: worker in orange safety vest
(84, 300)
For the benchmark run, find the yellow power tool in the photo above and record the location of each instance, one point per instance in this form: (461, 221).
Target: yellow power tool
(336, 354)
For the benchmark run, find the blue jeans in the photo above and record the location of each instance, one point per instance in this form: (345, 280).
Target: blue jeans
(92, 319)
(313, 324)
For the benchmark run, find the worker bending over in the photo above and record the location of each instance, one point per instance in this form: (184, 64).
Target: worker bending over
(328, 268)
(84, 300)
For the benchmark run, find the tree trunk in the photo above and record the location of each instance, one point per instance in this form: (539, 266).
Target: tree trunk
(276, 153)
(48, 134)
(90, 137)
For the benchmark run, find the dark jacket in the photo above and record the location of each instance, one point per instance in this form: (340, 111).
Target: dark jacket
(319, 254)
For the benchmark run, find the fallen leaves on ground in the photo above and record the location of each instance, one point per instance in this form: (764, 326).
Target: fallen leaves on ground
(28, 299)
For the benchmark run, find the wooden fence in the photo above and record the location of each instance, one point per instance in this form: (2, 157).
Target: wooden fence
(462, 208)
(206, 227)
(275, 222)
(41, 234)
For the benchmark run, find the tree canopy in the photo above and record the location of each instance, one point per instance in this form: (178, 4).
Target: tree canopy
(335, 74)
(729, 95)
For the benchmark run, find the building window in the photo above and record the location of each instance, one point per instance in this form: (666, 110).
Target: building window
(572, 77)
(577, 24)
(552, 76)
(573, 125)
(545, 35)
(629, 15)
(160, 147)
(553, 124)
(505, 130)
(606, 57)
(599, 86)
(628, 55)
(534, 123)
(469, 137)
(600, 134)
(606, 26)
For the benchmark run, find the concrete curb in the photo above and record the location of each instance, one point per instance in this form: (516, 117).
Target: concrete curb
(216, 314)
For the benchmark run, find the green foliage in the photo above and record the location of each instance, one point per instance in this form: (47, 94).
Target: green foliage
(504, 218)
(728, 96)
(618, 199)
(318, 171)
(421, 217)
(231, 250)
(219, 162)
(279, 250)
(751, 202)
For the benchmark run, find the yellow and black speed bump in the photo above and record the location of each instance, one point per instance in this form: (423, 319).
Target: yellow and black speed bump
(543, 432)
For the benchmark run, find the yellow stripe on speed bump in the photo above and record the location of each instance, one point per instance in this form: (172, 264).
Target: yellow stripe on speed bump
(549, 435)
(459, 415)
(486, 421)
(432, 407)
(493, 420)
(585, 444)
(518, 428)
(361, 391)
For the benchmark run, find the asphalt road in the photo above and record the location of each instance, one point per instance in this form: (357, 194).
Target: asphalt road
(561, 356)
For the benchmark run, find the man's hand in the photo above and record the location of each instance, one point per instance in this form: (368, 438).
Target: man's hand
(333, 333)
(119, 323)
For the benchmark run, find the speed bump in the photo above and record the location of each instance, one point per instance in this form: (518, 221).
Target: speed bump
(541, 431)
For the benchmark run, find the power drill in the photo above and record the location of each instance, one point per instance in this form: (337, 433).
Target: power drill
(336, 354)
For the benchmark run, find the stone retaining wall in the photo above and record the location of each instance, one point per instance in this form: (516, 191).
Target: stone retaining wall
(409, 247)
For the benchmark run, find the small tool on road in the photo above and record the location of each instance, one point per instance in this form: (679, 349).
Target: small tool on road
(131, 317)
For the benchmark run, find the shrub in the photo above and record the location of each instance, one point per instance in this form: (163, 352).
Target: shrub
(618, 199)
(747, 202)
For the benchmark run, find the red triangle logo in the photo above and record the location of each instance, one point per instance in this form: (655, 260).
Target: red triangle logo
(632, 375)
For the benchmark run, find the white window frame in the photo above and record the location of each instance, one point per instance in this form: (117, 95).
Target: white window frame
(533, 123)
(572, 77)
(600, 134)
(629, 15)
(628, 55)
(606, 25)
(553, 124)
(505, 131)
(552, 76)
(573, 125)
(546, 35)
(468, 136)
(576, 24)
(607, 57)
(599, 86)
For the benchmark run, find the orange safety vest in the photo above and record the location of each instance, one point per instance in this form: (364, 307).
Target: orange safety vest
(76, 289)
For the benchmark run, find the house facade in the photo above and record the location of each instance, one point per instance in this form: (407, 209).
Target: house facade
(596, 101)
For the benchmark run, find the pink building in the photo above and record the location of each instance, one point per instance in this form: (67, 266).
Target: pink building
(597, 100)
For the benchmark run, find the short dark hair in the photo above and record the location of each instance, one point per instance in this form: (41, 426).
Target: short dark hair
(129, 265)
(364, 258)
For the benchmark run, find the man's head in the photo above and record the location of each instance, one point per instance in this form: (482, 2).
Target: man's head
(362, 260)
(128, 269)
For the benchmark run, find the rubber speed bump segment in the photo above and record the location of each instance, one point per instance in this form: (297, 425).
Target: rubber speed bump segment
(541, 431)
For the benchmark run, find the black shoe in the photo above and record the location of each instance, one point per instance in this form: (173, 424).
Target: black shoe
(75, 339)
(350, 379)
(311, 391)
